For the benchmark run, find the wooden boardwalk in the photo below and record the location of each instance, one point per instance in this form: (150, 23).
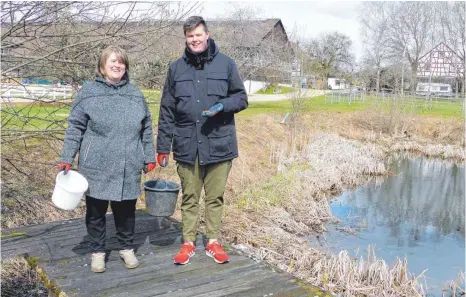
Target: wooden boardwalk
(62, 251)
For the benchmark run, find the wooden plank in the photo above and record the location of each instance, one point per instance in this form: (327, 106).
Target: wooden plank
(217, 287)
(116, 269)
(189, 285)
(173, 283)
(164, 280)
(63, 251)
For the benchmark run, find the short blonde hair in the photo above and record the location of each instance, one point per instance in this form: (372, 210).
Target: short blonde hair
(120, 54)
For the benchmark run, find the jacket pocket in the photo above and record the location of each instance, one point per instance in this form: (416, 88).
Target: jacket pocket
(92, 155)
(181, 141)
(183, 92)
(217, 84)
(220, 142)
(86, 152)
(183, 86)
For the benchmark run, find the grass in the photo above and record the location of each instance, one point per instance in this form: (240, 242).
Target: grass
(50, 116)
(270, 89)
(151, 95)
(14, 234)
(445, 109)
(35, 115)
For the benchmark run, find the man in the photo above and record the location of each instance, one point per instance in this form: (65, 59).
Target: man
(202, 92)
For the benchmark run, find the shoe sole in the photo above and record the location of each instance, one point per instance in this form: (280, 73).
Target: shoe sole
(97, 271)
(186, 262)
(216, 261)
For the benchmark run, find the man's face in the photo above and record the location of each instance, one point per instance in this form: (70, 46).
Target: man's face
(196, 39)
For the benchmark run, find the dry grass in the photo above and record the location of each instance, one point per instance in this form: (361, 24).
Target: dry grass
(375, 125)
(19, 279)
(457, 286)
(28, 179)
(427, 136)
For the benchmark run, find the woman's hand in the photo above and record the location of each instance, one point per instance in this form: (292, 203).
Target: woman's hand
(149, 167)
(62, 166)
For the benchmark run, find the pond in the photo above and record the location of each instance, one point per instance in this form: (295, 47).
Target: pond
(418, 211)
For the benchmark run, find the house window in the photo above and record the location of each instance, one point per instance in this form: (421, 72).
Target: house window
(427, 66)
(5, 51)
(443, 88)
(441, 54)
(337, 82)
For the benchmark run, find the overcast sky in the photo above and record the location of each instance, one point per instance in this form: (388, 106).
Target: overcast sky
(310, 18)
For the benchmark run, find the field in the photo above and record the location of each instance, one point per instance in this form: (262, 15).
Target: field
(51, 116)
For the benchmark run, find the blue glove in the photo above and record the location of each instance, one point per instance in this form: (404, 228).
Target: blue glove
(213, 110)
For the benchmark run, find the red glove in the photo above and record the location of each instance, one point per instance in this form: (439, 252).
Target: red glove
(64, 166)
(149, 167)
(162, 159)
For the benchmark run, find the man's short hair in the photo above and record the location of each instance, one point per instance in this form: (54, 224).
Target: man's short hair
(192, 22)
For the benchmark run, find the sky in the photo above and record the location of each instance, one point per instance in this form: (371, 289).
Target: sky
(306, 18)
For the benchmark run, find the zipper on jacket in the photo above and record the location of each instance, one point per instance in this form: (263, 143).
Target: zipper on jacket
(87, 150)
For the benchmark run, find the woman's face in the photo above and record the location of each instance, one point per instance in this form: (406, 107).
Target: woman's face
(114, 69)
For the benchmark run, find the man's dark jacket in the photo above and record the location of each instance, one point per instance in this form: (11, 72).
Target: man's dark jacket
(195, 83)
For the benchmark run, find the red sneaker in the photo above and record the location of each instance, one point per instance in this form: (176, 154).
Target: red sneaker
(216, 252)
(186, 252)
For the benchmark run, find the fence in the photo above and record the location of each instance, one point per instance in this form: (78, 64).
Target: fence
(29, 93)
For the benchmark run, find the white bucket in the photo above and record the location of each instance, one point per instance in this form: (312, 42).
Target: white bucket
(69, 189)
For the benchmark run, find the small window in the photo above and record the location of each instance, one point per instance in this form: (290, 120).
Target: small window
(427, 66)
(443, 88)
(441, 54)
(337, 82)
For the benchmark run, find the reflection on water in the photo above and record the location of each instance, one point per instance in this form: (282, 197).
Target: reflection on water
(418, 212)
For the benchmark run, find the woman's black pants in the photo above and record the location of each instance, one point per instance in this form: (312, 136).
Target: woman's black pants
(124, 216)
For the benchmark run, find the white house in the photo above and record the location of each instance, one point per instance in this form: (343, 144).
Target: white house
(337, 83)
(435, 89)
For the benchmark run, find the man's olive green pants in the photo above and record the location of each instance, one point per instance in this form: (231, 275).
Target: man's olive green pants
(193, 177)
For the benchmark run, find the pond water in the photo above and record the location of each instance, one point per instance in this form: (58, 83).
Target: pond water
(417, 212)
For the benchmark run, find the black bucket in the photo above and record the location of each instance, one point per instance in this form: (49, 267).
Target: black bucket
(161, 196)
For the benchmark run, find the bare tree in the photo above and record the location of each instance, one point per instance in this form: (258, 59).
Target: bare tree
(452, 29)
(59, 42)
(410, 31)
(374, 21)
(331, 53)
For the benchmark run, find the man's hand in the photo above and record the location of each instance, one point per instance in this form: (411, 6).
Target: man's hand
(149, 167)
(62, 166)
(213, 110)
(162, 159)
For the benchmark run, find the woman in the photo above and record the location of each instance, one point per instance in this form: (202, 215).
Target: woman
(111, 127)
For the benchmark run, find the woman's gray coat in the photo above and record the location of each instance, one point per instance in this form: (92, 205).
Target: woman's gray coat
(111, 128)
